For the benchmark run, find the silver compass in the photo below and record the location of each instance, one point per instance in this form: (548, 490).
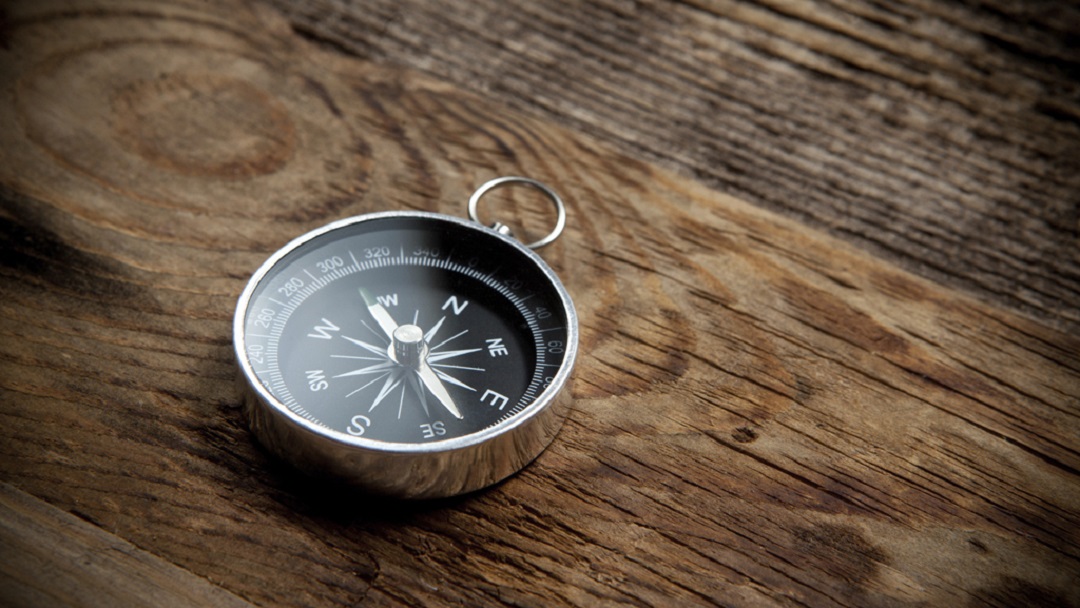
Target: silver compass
(412, 354)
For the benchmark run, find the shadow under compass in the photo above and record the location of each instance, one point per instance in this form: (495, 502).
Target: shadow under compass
(345, 504)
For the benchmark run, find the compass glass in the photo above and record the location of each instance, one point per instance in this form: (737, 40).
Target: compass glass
(405, 328)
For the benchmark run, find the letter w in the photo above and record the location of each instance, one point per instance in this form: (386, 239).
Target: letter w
(323, 331)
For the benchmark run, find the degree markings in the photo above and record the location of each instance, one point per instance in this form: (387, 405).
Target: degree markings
(444, 263)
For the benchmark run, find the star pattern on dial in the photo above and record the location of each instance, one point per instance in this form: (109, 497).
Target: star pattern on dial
(397, 379)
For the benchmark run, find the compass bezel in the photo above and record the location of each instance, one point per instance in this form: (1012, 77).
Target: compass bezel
(411, 469)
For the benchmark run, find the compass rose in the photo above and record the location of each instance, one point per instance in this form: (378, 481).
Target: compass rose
(408, 360)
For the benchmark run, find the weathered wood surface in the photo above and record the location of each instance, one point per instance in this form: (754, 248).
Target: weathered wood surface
(944, 136)
(764, 415)
(65, 561)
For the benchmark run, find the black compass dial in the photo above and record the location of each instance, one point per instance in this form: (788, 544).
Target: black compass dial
(405, 328)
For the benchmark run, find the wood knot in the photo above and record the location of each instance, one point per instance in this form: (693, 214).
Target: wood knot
(842, 551)
(204, 124)
(183, 126)
(744, 434)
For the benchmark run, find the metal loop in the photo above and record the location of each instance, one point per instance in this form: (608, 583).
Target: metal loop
(498, 182)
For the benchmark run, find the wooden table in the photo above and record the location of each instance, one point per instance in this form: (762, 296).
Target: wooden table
(825, 256)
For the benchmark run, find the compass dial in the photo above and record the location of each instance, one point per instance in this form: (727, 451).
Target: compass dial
(405, 332)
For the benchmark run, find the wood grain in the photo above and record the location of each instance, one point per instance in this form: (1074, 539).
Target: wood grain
(764, 415)
(63, 561)
(941, 136)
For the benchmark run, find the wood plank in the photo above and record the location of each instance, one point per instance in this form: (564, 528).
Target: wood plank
(51, 558)
(941, 136)
(764, 415)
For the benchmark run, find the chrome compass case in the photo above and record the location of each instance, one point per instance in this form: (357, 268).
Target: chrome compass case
(411, 354)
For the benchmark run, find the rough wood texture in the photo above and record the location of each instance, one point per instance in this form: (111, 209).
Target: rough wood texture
(764, 415)
(64, 561)
(944, 136)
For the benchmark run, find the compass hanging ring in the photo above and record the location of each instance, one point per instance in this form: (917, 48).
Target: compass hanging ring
(560, 208)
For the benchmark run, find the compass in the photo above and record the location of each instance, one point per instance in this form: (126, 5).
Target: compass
(412, 354)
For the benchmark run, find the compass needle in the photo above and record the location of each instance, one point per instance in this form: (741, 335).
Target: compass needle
(432, 382)
(414, 383)
(383, 318)
(411, 353)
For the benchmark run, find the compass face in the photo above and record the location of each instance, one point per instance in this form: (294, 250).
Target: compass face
(405, 329)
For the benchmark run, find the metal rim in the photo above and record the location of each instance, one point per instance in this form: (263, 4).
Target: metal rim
(499, 182)
(540, 404)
